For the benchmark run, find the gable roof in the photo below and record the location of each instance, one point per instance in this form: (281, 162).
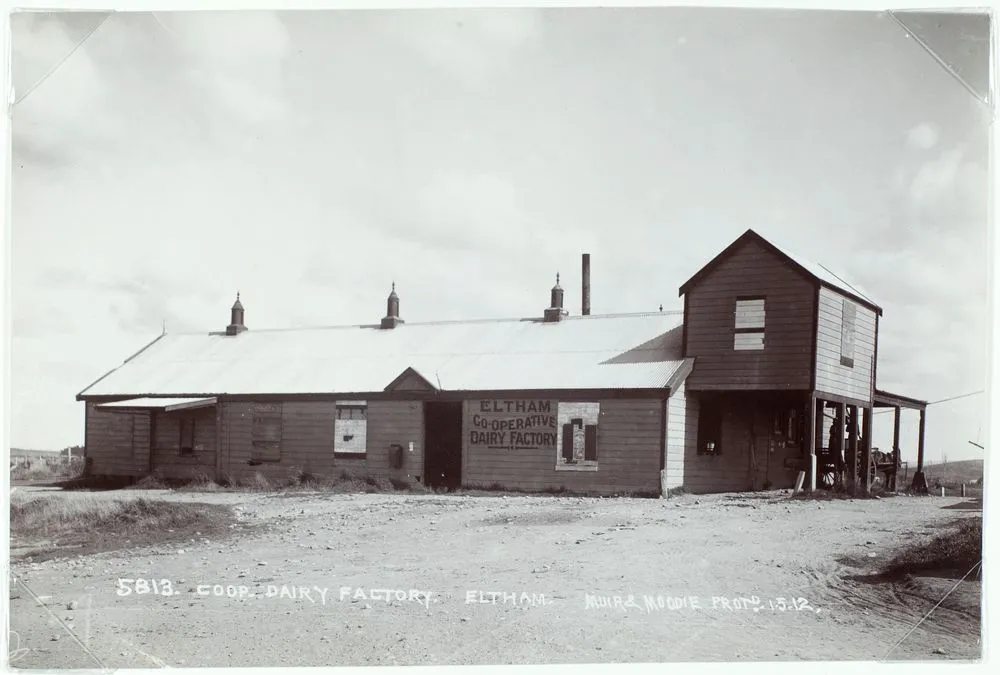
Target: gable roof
(815, 272)
(636, 351)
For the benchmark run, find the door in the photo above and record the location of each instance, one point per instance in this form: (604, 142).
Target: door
(443, 444)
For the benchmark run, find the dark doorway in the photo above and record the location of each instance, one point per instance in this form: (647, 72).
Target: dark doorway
(443, 444)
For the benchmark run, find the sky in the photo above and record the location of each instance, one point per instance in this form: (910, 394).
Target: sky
(309, 160)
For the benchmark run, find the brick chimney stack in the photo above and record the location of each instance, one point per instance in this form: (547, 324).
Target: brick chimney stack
(556, 312)
(236, 325)
(391, 318)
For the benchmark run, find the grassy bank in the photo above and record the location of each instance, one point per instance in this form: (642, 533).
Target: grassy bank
(955, 551)
(298, 480)
(46, 527)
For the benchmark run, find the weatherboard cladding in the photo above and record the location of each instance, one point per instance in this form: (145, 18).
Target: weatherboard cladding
(752, 269)
(813, 271)
(637, 351)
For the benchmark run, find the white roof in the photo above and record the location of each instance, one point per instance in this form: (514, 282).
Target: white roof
(635, 351)
(826, 276)
(167, 404)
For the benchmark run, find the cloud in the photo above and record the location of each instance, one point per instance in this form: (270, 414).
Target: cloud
(922, 137)
(235, 59)
(935, 180)
(473, 44)
(41, 130)
(946, 192)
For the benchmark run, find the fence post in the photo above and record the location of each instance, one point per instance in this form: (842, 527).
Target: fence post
(942, 491)
(963, 490)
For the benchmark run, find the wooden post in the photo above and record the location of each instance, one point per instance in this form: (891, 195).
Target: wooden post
(837, 440)
(895, 444)
(852, 451)
(798, 483)
(218, 440)
(866, 451)
(811, 432)
(920, 444)
(919, 484)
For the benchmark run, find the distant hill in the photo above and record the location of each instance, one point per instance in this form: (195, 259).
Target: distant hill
(954, 473)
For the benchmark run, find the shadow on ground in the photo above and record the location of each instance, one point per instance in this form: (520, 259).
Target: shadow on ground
(971, 505)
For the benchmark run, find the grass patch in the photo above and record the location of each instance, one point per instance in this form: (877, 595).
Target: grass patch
(47, 527)
(954, 551)
(304, 480)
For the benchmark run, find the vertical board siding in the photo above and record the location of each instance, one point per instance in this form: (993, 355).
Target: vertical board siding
(682, 433)
(832, 377)
(167, 460)
(629, 443)
(785, 362)
(117, 443)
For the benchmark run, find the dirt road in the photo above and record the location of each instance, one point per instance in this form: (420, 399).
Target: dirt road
(381, 579)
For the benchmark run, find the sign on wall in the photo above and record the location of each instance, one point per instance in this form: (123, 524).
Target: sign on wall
(523, 424)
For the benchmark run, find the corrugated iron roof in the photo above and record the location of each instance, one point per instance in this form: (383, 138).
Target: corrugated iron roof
(826, 276)
(635, 351)
(816, 271)
(167, 404)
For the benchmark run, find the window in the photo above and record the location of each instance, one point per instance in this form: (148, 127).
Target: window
(266, 434)
(849, 315)
(186, 436)
(787, 426)
(710, 428)
(350, 429)
(749, 324)
(576, 436)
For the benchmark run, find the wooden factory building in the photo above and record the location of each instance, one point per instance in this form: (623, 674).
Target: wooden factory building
(734, 395)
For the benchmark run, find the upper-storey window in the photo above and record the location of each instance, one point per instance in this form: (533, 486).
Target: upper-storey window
(849, 316)
(749, 333)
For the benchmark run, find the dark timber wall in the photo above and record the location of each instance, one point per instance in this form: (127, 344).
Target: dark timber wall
(629, 446)
(167, 460)
(787, 358)
(751, 453)
(117, 443)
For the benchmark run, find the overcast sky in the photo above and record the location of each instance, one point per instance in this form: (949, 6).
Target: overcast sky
(308, 160)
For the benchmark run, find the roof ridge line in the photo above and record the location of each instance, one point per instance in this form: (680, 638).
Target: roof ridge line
(445, 322)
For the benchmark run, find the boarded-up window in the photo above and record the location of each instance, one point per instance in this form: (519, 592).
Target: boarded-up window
(266, 433)
(849, 317)
(749, 323)
(142, 439)
(186, 443)
(577, 436)
(350, 429)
